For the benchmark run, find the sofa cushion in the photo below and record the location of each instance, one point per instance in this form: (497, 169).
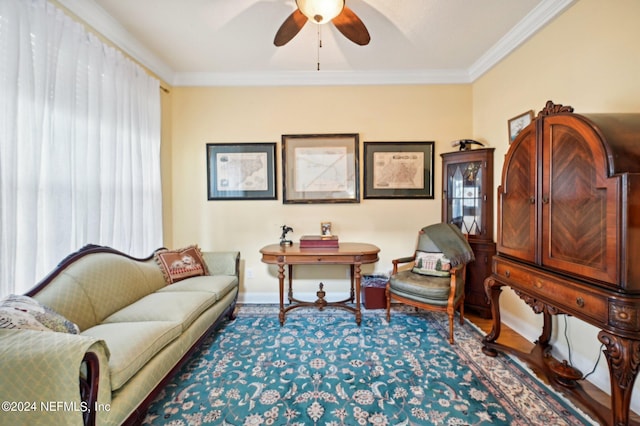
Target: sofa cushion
(179, 264)
(132, 345)
(23, 312)
(216, 284)
(179, 307)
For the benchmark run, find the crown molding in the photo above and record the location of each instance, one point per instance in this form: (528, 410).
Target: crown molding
(322, 78)
(97, 18)
(540, 16)
(104, 24)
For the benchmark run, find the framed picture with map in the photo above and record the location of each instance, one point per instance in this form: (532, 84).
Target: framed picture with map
(398, 170)
(243, 171)
(320, 168)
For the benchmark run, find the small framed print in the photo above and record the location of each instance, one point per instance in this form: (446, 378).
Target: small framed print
(398, 170)
(519, 122)
(241, 171)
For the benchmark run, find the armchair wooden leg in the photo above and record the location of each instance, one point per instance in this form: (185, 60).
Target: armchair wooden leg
(451, 322)
(451, 313)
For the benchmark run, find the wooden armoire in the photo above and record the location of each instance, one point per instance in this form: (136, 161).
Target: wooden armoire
(568, 242)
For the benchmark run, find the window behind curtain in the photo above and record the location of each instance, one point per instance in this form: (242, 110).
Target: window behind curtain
(79, 145)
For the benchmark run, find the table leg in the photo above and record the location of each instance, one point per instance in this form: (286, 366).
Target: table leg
(492, 289)
(352, 282)
(290, 274)
(357, 279)
(281, 286)
(623, 356)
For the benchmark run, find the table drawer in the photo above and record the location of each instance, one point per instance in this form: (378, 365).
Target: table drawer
(318, 259)
(564, 294)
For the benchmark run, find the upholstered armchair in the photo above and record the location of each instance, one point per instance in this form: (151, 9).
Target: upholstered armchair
(435, 279)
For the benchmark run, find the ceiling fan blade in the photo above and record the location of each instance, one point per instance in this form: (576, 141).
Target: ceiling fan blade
(289, 28)
(352, 27)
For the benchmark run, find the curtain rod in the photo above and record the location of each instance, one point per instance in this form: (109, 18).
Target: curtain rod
(164, 89)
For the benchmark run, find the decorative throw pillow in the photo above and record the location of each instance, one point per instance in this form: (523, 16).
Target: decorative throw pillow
(177, 265)
(435, 264)
(24, 312)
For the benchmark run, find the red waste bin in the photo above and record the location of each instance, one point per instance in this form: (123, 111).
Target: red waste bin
(373, 291)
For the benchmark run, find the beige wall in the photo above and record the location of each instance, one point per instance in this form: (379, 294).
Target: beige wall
(236, 115)
(587, 58)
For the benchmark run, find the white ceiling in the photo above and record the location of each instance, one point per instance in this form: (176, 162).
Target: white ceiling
(230, 42)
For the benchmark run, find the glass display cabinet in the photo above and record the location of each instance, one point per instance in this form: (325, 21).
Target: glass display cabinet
(467, 202)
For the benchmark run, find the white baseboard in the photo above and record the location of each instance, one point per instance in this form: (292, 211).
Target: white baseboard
(527, 330)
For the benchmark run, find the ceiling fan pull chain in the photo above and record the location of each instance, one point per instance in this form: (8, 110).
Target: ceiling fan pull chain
(319, 45)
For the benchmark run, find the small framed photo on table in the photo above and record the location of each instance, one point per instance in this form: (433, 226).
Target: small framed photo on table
(325, 228)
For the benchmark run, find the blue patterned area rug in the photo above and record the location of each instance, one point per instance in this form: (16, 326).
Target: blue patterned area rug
(320, 368)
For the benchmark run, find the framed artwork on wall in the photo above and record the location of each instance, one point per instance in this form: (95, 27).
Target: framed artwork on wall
(244, 171)
(398, 170)
(320, 168)
(519, 122)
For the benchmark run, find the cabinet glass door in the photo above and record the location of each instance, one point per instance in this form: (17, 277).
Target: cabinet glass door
(464, 196)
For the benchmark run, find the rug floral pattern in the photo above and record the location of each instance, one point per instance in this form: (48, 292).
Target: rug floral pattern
(320, 368)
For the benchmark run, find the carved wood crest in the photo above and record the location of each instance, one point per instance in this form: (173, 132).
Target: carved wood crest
(550, 109)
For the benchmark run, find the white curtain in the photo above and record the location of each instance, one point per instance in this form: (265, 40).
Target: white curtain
(79, 145)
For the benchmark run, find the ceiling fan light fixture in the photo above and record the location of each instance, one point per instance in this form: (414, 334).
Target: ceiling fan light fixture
(320, 11)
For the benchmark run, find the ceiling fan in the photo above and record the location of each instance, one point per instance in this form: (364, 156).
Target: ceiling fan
(321, 12)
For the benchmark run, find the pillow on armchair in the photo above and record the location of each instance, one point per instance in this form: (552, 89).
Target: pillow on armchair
(432, 263)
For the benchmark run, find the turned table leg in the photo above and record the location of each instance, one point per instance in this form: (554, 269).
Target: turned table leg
(290, 276)
(281, 288)
(356, 267)
(351, 267)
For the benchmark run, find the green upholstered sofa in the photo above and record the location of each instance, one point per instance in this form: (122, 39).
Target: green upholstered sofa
(135, 331)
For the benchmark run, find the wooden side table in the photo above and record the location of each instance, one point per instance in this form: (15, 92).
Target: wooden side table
(352, 254)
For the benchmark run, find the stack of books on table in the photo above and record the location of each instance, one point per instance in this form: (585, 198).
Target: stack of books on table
(319, 241)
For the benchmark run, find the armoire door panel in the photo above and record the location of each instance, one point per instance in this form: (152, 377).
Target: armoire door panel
(517, 200)
(575, 216)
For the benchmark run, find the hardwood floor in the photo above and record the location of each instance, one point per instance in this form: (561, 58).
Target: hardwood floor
(511, 338)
